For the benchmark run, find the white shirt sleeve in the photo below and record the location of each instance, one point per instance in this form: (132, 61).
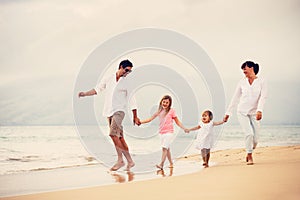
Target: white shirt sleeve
(263, 96)
(101, 86)
(235, 99)
(132, 103)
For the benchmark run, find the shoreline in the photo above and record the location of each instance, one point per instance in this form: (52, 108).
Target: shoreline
(274, 175)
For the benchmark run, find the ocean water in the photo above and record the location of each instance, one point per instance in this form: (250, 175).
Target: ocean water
(32, 148)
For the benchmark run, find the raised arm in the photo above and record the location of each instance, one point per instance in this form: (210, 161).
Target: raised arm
(219, 123)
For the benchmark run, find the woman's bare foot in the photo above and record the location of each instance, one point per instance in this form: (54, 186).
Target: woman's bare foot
(117, 166)
(171, 165)
(249, 159)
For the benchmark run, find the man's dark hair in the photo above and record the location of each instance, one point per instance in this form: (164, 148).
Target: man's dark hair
(125, 63)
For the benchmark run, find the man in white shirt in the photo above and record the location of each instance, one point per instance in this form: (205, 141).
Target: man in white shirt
(115, 105)
(249, 97)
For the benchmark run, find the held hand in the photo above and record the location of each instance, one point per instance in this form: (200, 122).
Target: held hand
(226, 118)
(137, 121)
(81, 94)
(186, 130)
(258, 115)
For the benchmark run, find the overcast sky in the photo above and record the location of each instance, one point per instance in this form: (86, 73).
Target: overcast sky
(45, 42)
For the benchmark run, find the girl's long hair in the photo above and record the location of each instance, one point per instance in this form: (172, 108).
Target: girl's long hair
(160, 108)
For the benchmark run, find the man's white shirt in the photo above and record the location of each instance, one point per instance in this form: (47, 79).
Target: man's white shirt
(116, 94)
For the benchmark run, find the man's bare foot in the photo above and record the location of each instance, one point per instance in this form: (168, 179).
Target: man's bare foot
(117, 166)
(129, 166)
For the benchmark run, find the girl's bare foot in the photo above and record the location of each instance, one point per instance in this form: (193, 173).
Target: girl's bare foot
(159, 167)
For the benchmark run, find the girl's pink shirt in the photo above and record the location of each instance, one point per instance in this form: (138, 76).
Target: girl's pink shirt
(166, 122)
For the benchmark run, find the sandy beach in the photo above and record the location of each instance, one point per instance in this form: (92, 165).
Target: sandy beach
(274, 175)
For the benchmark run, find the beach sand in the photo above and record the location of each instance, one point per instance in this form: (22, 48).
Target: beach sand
(274, 175)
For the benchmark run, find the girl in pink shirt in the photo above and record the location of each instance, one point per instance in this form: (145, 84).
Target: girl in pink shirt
(166, 116)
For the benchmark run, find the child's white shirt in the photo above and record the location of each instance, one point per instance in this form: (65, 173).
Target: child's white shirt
(205, 136)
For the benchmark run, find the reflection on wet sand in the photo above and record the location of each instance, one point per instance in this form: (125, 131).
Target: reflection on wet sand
(121, 178)
(163, 174)
(182, 167)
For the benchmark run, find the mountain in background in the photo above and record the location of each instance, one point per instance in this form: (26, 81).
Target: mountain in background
(49, 102)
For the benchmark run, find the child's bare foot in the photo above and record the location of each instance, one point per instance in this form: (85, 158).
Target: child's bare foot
(129, 166)
(117, 166)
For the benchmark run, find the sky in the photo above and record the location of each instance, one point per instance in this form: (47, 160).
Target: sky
(45, 43)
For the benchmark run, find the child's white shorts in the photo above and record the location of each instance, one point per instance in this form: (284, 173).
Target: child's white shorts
(166, 140)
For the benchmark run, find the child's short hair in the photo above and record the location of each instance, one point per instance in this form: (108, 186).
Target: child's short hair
(209, 113)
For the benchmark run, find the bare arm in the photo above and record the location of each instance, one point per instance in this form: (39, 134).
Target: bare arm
(178, 122)
(149, 119)
(88, 93)
(193, 129)
(219, 123)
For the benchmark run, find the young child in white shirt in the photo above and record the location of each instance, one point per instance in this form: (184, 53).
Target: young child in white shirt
(205, 136)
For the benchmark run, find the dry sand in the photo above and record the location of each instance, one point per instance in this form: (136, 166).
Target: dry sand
(274, 175)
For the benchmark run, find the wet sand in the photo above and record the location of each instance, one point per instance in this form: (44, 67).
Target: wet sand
(274, 175)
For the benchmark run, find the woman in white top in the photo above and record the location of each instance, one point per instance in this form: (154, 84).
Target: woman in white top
(249, 97)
